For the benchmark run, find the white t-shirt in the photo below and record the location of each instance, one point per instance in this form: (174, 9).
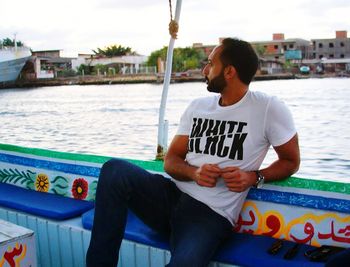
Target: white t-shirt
(237, 135)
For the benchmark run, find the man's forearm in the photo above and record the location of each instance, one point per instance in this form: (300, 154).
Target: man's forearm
(179, 169)
(280, 169)
(287, 163)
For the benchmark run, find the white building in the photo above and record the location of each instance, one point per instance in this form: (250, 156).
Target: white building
(128, 64)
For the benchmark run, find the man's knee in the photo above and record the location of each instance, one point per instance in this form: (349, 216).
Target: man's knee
(114, 164)
(113, 171)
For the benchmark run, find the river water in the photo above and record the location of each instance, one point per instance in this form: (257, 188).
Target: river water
(121, 120)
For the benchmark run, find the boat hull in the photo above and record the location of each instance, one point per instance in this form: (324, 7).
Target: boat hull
(305, 211)
(12, 62)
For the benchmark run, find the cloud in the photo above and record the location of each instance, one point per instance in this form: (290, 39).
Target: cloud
(128, 4)
(81, 25)
(320, 7)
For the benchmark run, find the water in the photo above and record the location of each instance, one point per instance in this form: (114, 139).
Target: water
(121, 120)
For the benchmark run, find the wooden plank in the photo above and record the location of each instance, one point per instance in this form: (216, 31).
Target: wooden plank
(55, 248)
(157, 257)
(167, 256)
(12, 217)
(32, 224)
(43, 236)
(128, 254)
(3, 214)
(66, 245)
(22, 220)
(86, 240)
(142, 258)
(77, 243)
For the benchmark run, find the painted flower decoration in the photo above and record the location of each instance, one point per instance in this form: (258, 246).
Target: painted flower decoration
(42, 182)
(80, 188)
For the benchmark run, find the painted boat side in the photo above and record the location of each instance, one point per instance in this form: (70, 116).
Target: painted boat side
(61, 244)
(320, 221)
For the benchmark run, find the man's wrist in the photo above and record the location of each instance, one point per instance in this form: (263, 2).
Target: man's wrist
(194, 176)
(252, 176)
(192, 173)
(260, 179)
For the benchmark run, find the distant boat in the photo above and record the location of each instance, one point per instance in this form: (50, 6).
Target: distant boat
(305, 69)
(12, 60)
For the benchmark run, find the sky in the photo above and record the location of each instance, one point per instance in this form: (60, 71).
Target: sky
(79, 26)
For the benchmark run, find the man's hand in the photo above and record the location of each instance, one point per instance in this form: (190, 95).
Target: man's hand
(237, 180)
(176, 166)
(207, 175)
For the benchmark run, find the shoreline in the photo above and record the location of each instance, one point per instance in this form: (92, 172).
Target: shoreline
(137, 78)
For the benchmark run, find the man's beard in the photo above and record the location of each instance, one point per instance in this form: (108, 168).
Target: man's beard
(217, 84)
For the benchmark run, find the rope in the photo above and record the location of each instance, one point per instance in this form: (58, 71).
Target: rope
(171, 10)
(173, 25)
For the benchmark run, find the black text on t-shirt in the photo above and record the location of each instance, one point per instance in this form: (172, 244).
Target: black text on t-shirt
(208, 137)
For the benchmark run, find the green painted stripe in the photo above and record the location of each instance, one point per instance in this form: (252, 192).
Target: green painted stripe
(148, 165)
(310, 184)
(295, 182)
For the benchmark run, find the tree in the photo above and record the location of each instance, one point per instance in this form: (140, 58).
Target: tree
(8, 42)
(114, 51)
(100, 68)
(84, 69)
(260, 50)
(183, 58)
(289, 66)
(153, 58)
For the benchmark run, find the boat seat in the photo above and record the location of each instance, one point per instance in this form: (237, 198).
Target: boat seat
(43, 204)
(241, 249)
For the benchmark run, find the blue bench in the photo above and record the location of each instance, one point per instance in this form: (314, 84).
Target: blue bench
(241, 249)
(46, 205)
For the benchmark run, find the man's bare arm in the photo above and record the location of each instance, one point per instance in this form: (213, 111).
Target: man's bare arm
(287, 163)
(177, 167)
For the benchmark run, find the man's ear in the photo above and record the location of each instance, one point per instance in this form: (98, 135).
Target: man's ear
(230, 72)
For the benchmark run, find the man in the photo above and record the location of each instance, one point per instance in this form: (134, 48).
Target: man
(213, 160)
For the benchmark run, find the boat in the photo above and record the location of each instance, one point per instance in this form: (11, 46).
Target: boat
(52, 192)
(304, 70)
(12, 60)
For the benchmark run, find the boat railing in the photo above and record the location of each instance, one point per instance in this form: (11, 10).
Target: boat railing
(12, 48)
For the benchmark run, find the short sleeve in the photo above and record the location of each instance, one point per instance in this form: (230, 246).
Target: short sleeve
(186, 121)
(279, 124)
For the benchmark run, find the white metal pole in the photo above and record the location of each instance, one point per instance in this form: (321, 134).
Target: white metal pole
(162, 143)
(15, 41)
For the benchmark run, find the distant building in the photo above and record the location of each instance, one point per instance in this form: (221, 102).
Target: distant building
(206, 49)
(283, 49)
(48, 62)
(321, 55)
(338, 47)
(266, 65)
(325, 65)
(82, 59)
(128, 64)
(47, 53)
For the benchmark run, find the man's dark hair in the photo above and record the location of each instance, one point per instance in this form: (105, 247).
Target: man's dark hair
(241, 55)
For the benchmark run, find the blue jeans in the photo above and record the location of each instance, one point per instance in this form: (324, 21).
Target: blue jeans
(341, 259)
(195, 231)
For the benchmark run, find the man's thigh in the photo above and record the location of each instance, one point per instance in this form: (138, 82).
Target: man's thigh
(150, 196)
(196, 233)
